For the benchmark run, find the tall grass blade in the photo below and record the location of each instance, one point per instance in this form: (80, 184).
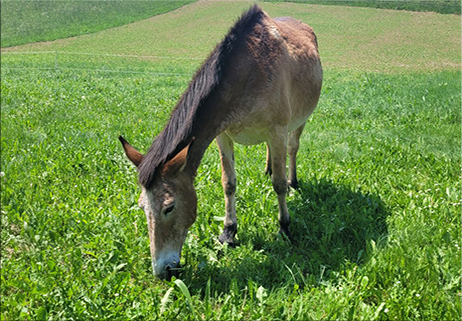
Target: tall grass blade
(187, 295)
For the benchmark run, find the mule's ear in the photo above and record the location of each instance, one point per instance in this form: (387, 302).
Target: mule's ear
(179, 162)
(133, 155)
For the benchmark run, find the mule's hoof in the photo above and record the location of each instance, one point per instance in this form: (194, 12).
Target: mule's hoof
(268, 171)
(294, 184)
(228, 235)
(226, 239)
(286, 234)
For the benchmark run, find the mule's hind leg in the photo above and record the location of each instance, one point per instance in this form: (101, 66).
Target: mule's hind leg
(294, 144)
(268, 170)
(278, 149)
(228, 181)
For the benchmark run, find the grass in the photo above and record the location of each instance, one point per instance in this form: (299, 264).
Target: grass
(377, 219)
(440, 6)
(25, 21)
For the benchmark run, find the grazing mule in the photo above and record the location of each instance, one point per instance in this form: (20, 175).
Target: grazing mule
(260, 84)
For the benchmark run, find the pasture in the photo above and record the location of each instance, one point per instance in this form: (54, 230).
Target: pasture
(376, 221)
(25, 21)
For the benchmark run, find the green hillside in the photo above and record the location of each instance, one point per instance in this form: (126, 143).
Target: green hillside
(349, 37)
(25, 21)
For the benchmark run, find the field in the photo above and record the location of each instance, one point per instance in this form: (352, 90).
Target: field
(376, 222)
(25, 21)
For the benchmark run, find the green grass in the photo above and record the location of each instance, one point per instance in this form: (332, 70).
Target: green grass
(440, 6)
(25, 21)
(377, 219)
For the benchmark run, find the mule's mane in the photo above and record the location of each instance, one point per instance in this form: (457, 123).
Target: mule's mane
(179, 131)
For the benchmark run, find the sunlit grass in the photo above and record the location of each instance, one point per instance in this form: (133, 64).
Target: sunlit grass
(376, 221)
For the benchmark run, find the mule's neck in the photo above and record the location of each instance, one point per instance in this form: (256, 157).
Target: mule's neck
(196, 153)
(207, 127)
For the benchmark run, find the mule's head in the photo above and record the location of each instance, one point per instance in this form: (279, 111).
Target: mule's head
(170, 205)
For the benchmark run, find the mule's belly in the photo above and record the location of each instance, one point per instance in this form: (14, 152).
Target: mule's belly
(253, 133)
(248, 136)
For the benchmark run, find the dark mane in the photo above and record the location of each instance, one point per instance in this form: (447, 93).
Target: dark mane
(178, 132)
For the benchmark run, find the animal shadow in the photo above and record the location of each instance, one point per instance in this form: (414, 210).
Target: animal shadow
(332, 225)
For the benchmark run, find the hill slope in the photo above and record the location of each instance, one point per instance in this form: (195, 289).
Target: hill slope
(349, 37)
(31, 21)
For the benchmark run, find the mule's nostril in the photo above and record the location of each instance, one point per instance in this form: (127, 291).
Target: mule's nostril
(169, 273)
(171, 270)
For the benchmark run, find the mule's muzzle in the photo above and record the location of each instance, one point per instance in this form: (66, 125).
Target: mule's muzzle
(166, 265)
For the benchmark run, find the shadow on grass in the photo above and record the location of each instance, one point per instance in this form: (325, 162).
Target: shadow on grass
(336, 224)
(332, 226)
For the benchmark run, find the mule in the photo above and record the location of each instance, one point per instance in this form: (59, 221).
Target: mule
(259, 84)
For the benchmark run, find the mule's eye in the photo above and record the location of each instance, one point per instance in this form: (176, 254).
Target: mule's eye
(169, 208)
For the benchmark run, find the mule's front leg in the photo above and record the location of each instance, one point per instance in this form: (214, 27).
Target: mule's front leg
(278, 151)
(228, 180)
